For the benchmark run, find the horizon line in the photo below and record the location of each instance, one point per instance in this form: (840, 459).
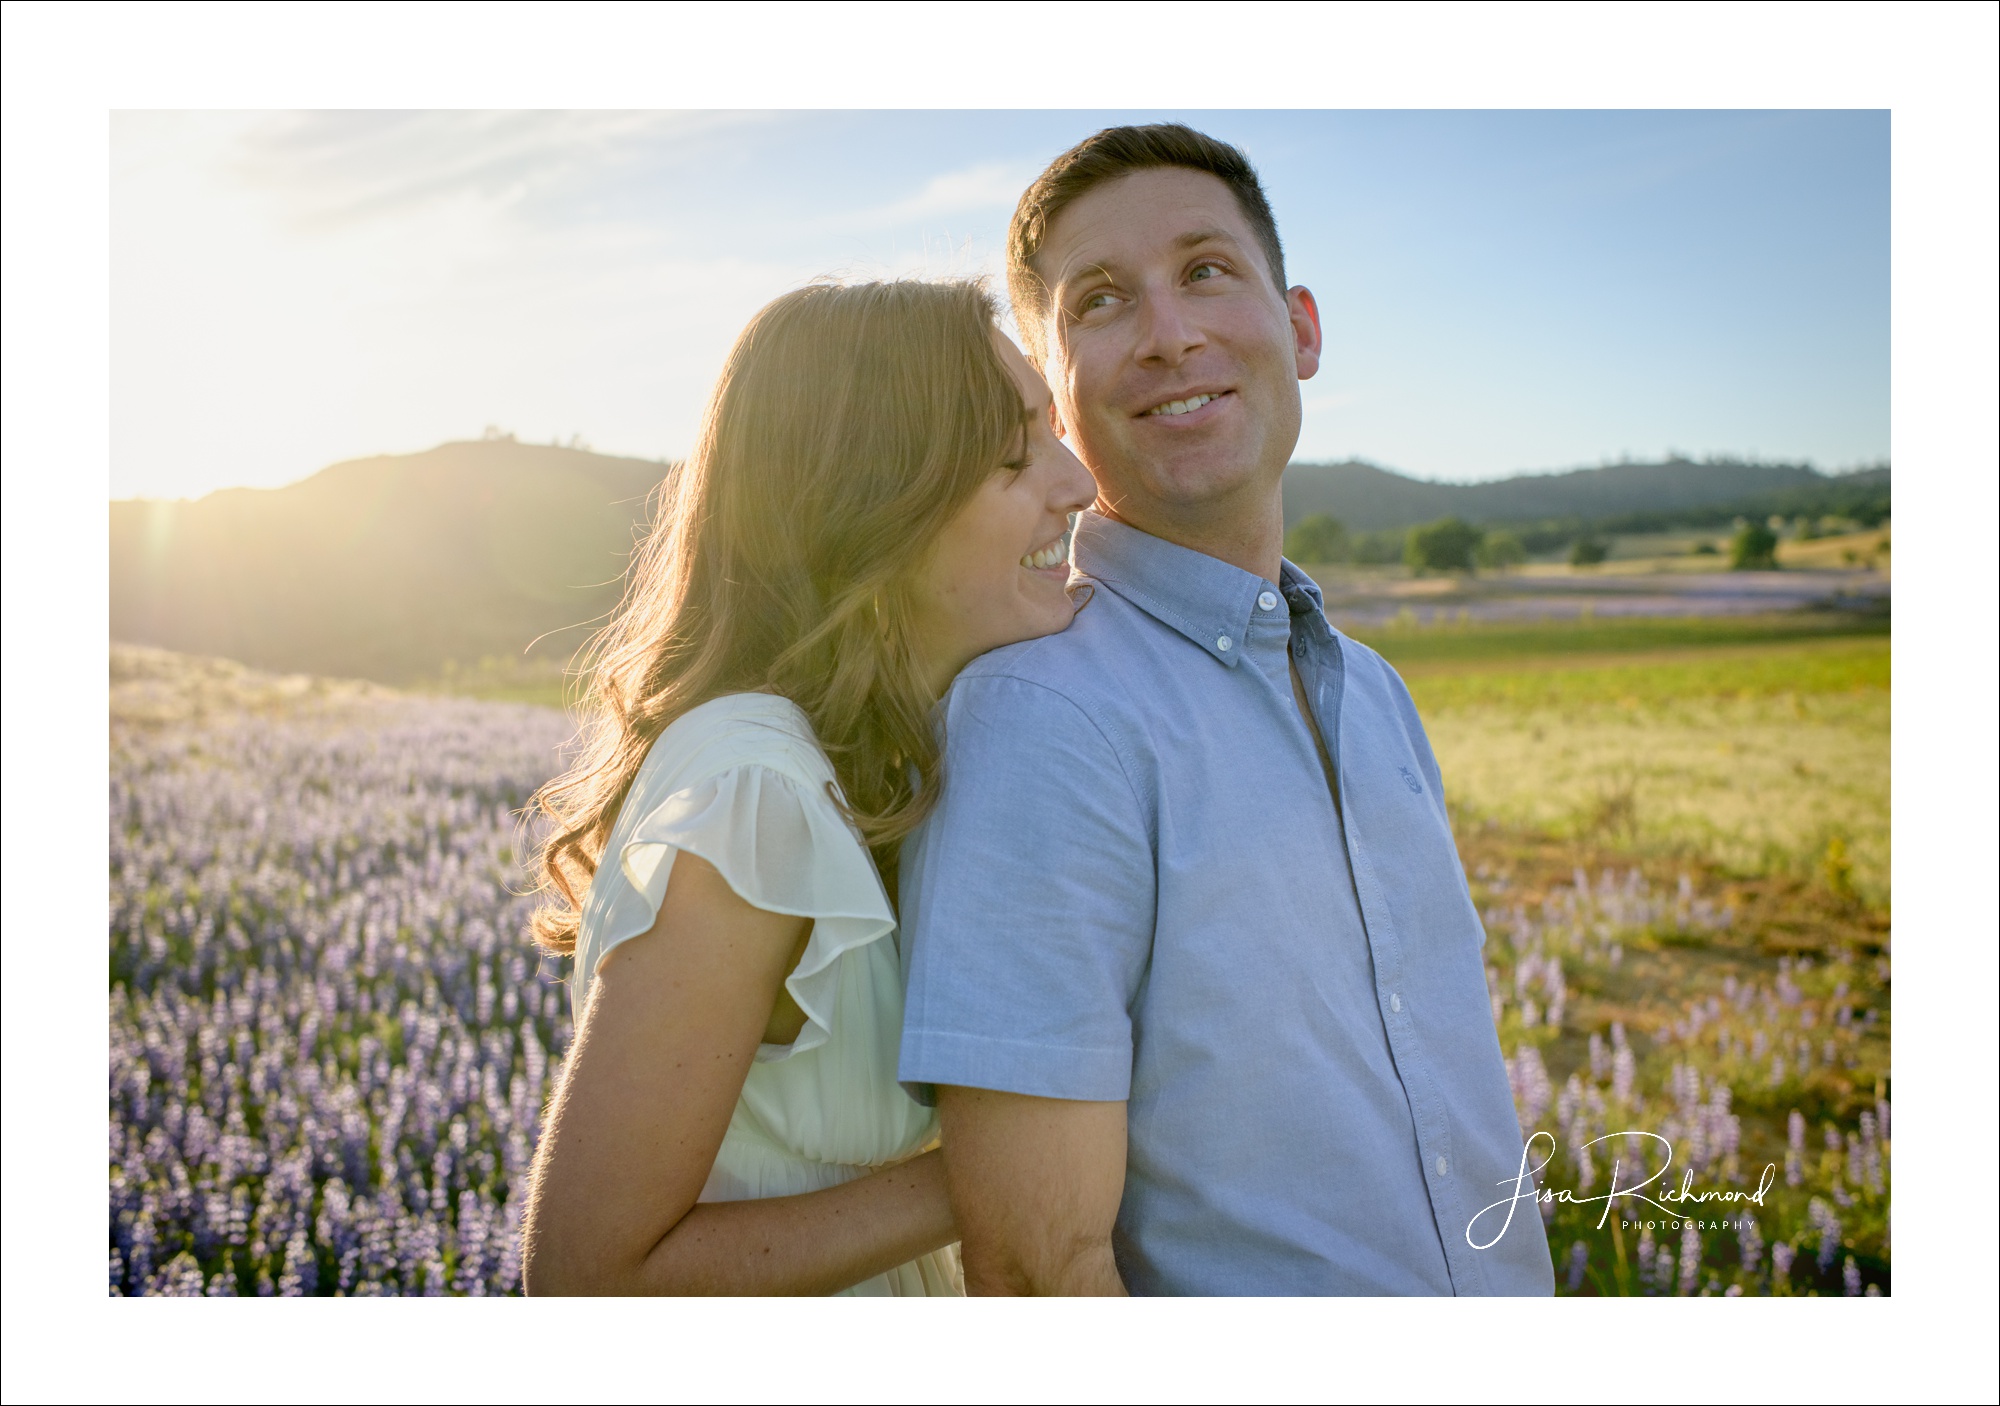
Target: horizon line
(578, 444)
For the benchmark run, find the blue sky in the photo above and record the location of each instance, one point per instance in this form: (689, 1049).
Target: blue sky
(1503, 291)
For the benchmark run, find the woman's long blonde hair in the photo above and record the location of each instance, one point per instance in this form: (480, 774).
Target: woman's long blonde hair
(849, 425)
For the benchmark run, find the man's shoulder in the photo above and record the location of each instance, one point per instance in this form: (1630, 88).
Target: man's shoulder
(1366, 663)
(1107, 642)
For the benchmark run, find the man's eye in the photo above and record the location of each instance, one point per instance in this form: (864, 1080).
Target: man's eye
(1202, 272)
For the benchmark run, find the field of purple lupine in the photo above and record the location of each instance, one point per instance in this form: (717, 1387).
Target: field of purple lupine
(1709, 1110)
(331, 1043)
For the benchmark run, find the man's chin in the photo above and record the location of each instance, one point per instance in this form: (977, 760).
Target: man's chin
(1187, 488)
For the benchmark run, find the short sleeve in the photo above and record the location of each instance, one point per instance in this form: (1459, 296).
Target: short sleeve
(782, 847)
(1028, 903)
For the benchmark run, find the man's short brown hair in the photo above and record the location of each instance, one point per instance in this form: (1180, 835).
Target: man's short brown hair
(1111, 153)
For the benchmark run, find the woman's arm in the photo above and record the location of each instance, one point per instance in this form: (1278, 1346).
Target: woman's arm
(672, 1026)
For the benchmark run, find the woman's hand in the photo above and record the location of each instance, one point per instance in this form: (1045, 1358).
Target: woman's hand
(672, 1027)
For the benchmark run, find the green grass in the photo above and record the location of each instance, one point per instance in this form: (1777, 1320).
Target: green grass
(1837, 666)
(1412, 649)
(1750, 760)
(1766, 756)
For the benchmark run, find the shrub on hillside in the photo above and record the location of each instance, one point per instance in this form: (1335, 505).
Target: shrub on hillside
(1501, 550)
(1755, 548)
(1376, 548)
(1317, 539)
(1445, 545)
(1588, 551)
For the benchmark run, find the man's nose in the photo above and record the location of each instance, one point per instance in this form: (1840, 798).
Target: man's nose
(1166, 334)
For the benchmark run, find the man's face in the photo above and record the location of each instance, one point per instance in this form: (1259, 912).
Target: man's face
(1174, 358)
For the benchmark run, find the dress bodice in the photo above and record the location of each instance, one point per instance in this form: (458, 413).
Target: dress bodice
(741, 782)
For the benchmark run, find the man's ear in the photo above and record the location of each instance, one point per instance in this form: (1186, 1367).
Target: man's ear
(1055, 421)
(1306, 338)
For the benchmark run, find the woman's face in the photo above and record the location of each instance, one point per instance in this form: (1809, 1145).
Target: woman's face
(999, 570)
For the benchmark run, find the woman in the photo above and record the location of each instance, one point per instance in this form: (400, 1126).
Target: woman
(876, 498)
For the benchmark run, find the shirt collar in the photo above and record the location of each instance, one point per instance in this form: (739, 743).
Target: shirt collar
(1209, 601)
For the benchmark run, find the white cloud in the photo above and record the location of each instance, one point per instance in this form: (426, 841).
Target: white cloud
(989, 187)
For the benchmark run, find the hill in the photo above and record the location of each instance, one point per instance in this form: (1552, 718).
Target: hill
(400, 568)
(1617, 497)
(385, 568)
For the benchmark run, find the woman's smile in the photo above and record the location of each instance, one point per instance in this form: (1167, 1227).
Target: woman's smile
(1051, 559)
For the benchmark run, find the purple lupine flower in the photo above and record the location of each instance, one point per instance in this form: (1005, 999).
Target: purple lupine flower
(1579, 1261)
(179, 1278)
(1850, 1278)
(1624, 1072)
(1821, 1218)
(1533, 1091)
(1750, 1242)
(1795, 1149)
(1690, 1257)
(1782, 1255)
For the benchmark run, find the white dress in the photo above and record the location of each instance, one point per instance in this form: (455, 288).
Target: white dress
(742, 782)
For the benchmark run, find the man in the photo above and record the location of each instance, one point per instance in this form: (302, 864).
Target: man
(1193, 965)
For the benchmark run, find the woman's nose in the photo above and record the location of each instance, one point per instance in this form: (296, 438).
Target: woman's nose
(1074, 488)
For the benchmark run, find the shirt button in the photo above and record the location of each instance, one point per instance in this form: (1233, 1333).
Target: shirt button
(1395, 1003)
(1443, 1166)
(1223, 642)
(1267, 601)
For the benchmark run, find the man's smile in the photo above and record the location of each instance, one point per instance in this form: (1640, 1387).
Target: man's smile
(1186, 408)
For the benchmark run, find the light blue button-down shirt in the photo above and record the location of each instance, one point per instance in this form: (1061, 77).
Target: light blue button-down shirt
(1138, 886)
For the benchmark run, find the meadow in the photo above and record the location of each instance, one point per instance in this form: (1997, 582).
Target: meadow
(1677, 831)
(331, 1045)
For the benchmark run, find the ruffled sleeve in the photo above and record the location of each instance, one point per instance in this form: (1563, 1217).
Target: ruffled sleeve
(783, 847)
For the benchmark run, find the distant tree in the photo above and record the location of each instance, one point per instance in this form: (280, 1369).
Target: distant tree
(1444, 545)
(1501, 550)
(1755, 548)
(1317, 539)
(1377, 548)
(1588, 551)
(1705, 548)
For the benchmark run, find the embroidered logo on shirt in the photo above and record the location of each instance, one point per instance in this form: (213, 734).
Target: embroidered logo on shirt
(1410, 780)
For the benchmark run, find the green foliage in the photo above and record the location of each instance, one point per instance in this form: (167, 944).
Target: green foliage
(1318, 539)
(1753, 754)
(1838, 867)
(1588, 551)
(1418, 650)
(1445, 545)
(1377, 548)
(1755, 548)
(1500, 550)
(1614, 499)
(1799, 668)
(1705, 548)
